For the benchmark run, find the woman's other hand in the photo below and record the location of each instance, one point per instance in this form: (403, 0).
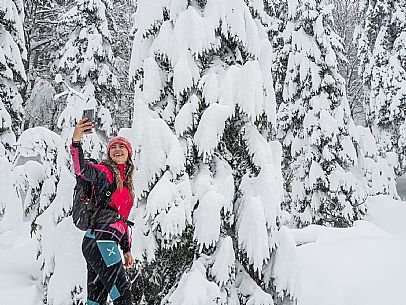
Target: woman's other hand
(81, 128)
(128, 260)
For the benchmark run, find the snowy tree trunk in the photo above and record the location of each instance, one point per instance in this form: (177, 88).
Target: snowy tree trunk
(346, 17)
(123, 11)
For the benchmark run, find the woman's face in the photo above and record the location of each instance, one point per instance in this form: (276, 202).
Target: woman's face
(118, 153)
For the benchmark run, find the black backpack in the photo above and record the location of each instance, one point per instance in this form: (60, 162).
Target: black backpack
(85, 211)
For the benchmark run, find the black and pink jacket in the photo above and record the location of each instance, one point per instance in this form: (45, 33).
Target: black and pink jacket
(101, 177)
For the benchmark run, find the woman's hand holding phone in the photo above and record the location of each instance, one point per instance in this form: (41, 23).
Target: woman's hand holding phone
(84, 126)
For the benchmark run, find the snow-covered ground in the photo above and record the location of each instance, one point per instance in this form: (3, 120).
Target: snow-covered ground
(19, 272)
(362, 265)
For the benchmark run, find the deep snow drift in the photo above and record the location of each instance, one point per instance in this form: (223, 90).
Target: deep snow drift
(19, 271)
(363, 265)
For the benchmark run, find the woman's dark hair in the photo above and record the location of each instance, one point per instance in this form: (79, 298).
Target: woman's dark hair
(128, 175)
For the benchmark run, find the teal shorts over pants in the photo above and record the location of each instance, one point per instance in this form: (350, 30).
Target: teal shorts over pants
(105, 271)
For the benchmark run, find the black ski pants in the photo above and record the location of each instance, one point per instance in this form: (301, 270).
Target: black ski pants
(105, 271)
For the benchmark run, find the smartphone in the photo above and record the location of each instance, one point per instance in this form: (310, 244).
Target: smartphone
(89, 113)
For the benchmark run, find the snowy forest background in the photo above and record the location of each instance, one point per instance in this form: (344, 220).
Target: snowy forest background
(259, 127)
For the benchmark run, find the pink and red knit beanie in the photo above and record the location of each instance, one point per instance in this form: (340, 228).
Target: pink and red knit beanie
(120, 140)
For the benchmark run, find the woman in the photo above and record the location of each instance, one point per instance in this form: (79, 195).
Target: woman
(105, 271)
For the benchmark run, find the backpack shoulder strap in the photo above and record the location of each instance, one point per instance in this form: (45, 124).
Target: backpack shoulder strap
(113, 185)
(104, 199)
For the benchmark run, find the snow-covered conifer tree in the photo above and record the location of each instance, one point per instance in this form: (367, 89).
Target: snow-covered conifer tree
(314, 122)
(206, 168)
(276, 23)
(36, 171)
(45, 188)
(89, 82)
(376, 173)
(275, 18)
(12, 73)
(86, 68)
(44, 41)
(381, 48)
(12, 76)
(62, 265)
